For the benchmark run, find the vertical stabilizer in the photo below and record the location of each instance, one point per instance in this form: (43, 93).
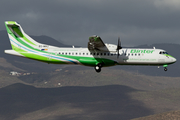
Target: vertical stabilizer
(18, 38)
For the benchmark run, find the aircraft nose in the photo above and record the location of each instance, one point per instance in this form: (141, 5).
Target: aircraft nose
(174, 59)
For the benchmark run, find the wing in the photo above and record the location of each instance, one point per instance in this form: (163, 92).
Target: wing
(96, 43)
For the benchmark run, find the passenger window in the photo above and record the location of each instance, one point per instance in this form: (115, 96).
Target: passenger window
(104, 53)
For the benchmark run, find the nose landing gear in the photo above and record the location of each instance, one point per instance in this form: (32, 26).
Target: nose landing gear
(165, 67)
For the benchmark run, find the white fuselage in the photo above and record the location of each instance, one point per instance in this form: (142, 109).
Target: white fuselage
(127, 56)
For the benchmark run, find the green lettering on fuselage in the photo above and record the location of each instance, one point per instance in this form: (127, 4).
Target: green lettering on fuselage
(141, 51)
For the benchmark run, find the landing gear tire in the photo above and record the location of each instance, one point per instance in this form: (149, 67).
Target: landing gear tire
(165, 69)
(98, 67)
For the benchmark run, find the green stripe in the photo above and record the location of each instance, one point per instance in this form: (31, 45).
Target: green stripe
(17, 49)
(17, 30)
(168, 55)
(11, 22)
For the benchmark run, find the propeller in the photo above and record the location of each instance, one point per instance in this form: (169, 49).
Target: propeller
(118, 46)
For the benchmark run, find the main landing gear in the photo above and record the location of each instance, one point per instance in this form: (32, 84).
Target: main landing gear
(98, 67)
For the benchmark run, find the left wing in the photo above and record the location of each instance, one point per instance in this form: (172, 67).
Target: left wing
(96, 43)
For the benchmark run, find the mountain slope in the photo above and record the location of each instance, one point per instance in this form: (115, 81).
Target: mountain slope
(19, 101)
(172, 115)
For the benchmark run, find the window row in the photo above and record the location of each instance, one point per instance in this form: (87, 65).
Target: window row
(101, 54)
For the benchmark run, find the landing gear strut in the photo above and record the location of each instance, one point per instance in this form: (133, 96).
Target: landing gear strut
(98, 67)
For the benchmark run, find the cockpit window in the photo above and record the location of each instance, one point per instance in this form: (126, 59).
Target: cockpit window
(163, 52)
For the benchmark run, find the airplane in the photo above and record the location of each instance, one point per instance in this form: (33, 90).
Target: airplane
(97, 54)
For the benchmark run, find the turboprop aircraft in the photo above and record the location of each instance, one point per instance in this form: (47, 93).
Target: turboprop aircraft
(97, 55)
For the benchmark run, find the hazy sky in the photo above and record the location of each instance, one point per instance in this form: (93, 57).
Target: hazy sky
(137, 22)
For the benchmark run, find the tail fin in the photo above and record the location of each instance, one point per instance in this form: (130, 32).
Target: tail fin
(18, 37)
(25, 46)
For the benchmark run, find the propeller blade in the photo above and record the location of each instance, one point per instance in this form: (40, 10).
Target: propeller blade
(118, 47)
(119, 43)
